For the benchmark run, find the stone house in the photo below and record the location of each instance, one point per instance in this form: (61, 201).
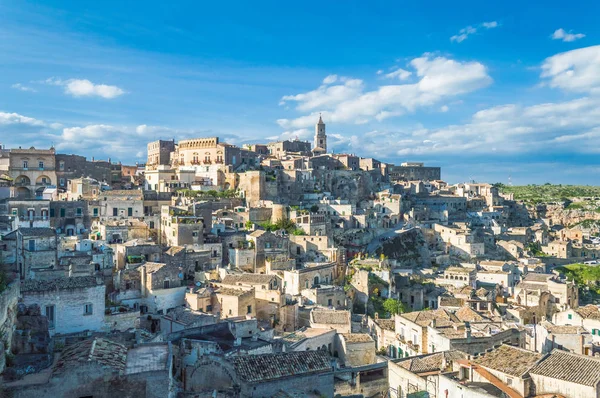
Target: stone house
(587, 317)
(179, 227)
(71, 304)
(232, 303)
(181, 318)
(266, 244)
(28, 213)
(163, 286)
(325, 296)
(308, 372)
(322, 318)
(121, 204)
(94, 367)
(191, 259)
(70, 217)
(32, 170)
(564, 294)
(574, 339)
(310, 276)
(355, 349)
(136, 251)
(383, 332)
(36, 250)
(567, 374)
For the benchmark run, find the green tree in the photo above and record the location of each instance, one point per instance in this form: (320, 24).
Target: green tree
(394, 306)
(314, 208)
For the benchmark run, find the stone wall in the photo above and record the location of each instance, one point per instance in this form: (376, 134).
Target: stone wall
(69, 305)
(121, 321)
(8, 316)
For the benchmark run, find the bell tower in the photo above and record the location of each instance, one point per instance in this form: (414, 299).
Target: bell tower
(320, 137)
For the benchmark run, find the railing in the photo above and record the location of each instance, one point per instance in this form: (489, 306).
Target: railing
(22, 183)
(33, 168)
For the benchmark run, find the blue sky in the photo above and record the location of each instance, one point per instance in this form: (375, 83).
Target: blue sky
(484, 90)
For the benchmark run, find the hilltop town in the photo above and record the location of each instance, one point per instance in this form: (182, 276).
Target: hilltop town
(287, 270)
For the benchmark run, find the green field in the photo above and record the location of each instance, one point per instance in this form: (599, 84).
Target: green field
(550, 193)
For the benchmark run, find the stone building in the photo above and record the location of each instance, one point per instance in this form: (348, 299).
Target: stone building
(414, 171)
(302, 373)
(159, 153)
(98, 367)
(320, 142)
(35, 250)
(32, 170)
(322, 318)
(28, 213)
(163, 286)
(281, 149)
(70, 218)
(71, 304)
(355, 349)
(180, 227)
(232, 303)
(310, 276)
(71, 167)
(121, 204)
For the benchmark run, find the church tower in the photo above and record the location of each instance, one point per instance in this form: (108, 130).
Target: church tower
(320, 145)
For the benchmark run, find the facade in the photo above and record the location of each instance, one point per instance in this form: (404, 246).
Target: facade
(32, 170)
(71, 304)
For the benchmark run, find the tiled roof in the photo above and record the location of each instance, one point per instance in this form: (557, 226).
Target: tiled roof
(153, 267)
(589, 311)
(563, 365)
(562, 329)
(510, 360)
(260, 368)
(76, 282)
(334, 317)
(356, 337)
(423, 318)
(431, 362)
(231, 292)
(449, 301)
(173, 250)
(467, 314)
(533, 277)
(40, 232)
(255, 279)
(386, 324)
(102, 351)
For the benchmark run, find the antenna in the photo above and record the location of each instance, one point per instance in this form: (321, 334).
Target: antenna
(509, 180)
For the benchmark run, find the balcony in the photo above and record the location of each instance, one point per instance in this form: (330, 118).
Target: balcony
(22, 183)
(43, 184)
(219, 161)
(207, 161)
(33, 168)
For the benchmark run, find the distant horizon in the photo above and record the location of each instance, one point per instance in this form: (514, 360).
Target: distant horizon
(481, 91)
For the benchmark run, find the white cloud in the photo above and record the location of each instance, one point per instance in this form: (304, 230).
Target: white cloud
(85, 88)
(14, 119)
(490, 25)
(444, 108)
(348, 102)
(399, 74)
(464, 33)
(561, 34)
(575, 70)
(330, 79)
(19, 86)
(326, 95)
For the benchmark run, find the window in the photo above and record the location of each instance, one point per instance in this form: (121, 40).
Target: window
(41, 165)
(249, 309)
(570, 316)
(208, 308)
(25, 164)
(95, 212)
(62, 182)
(50, 316)
(79, 211)
(88, 309)
(61, 165)
(31, 245)
(129, 211)
(115, 212)
(166, 284)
